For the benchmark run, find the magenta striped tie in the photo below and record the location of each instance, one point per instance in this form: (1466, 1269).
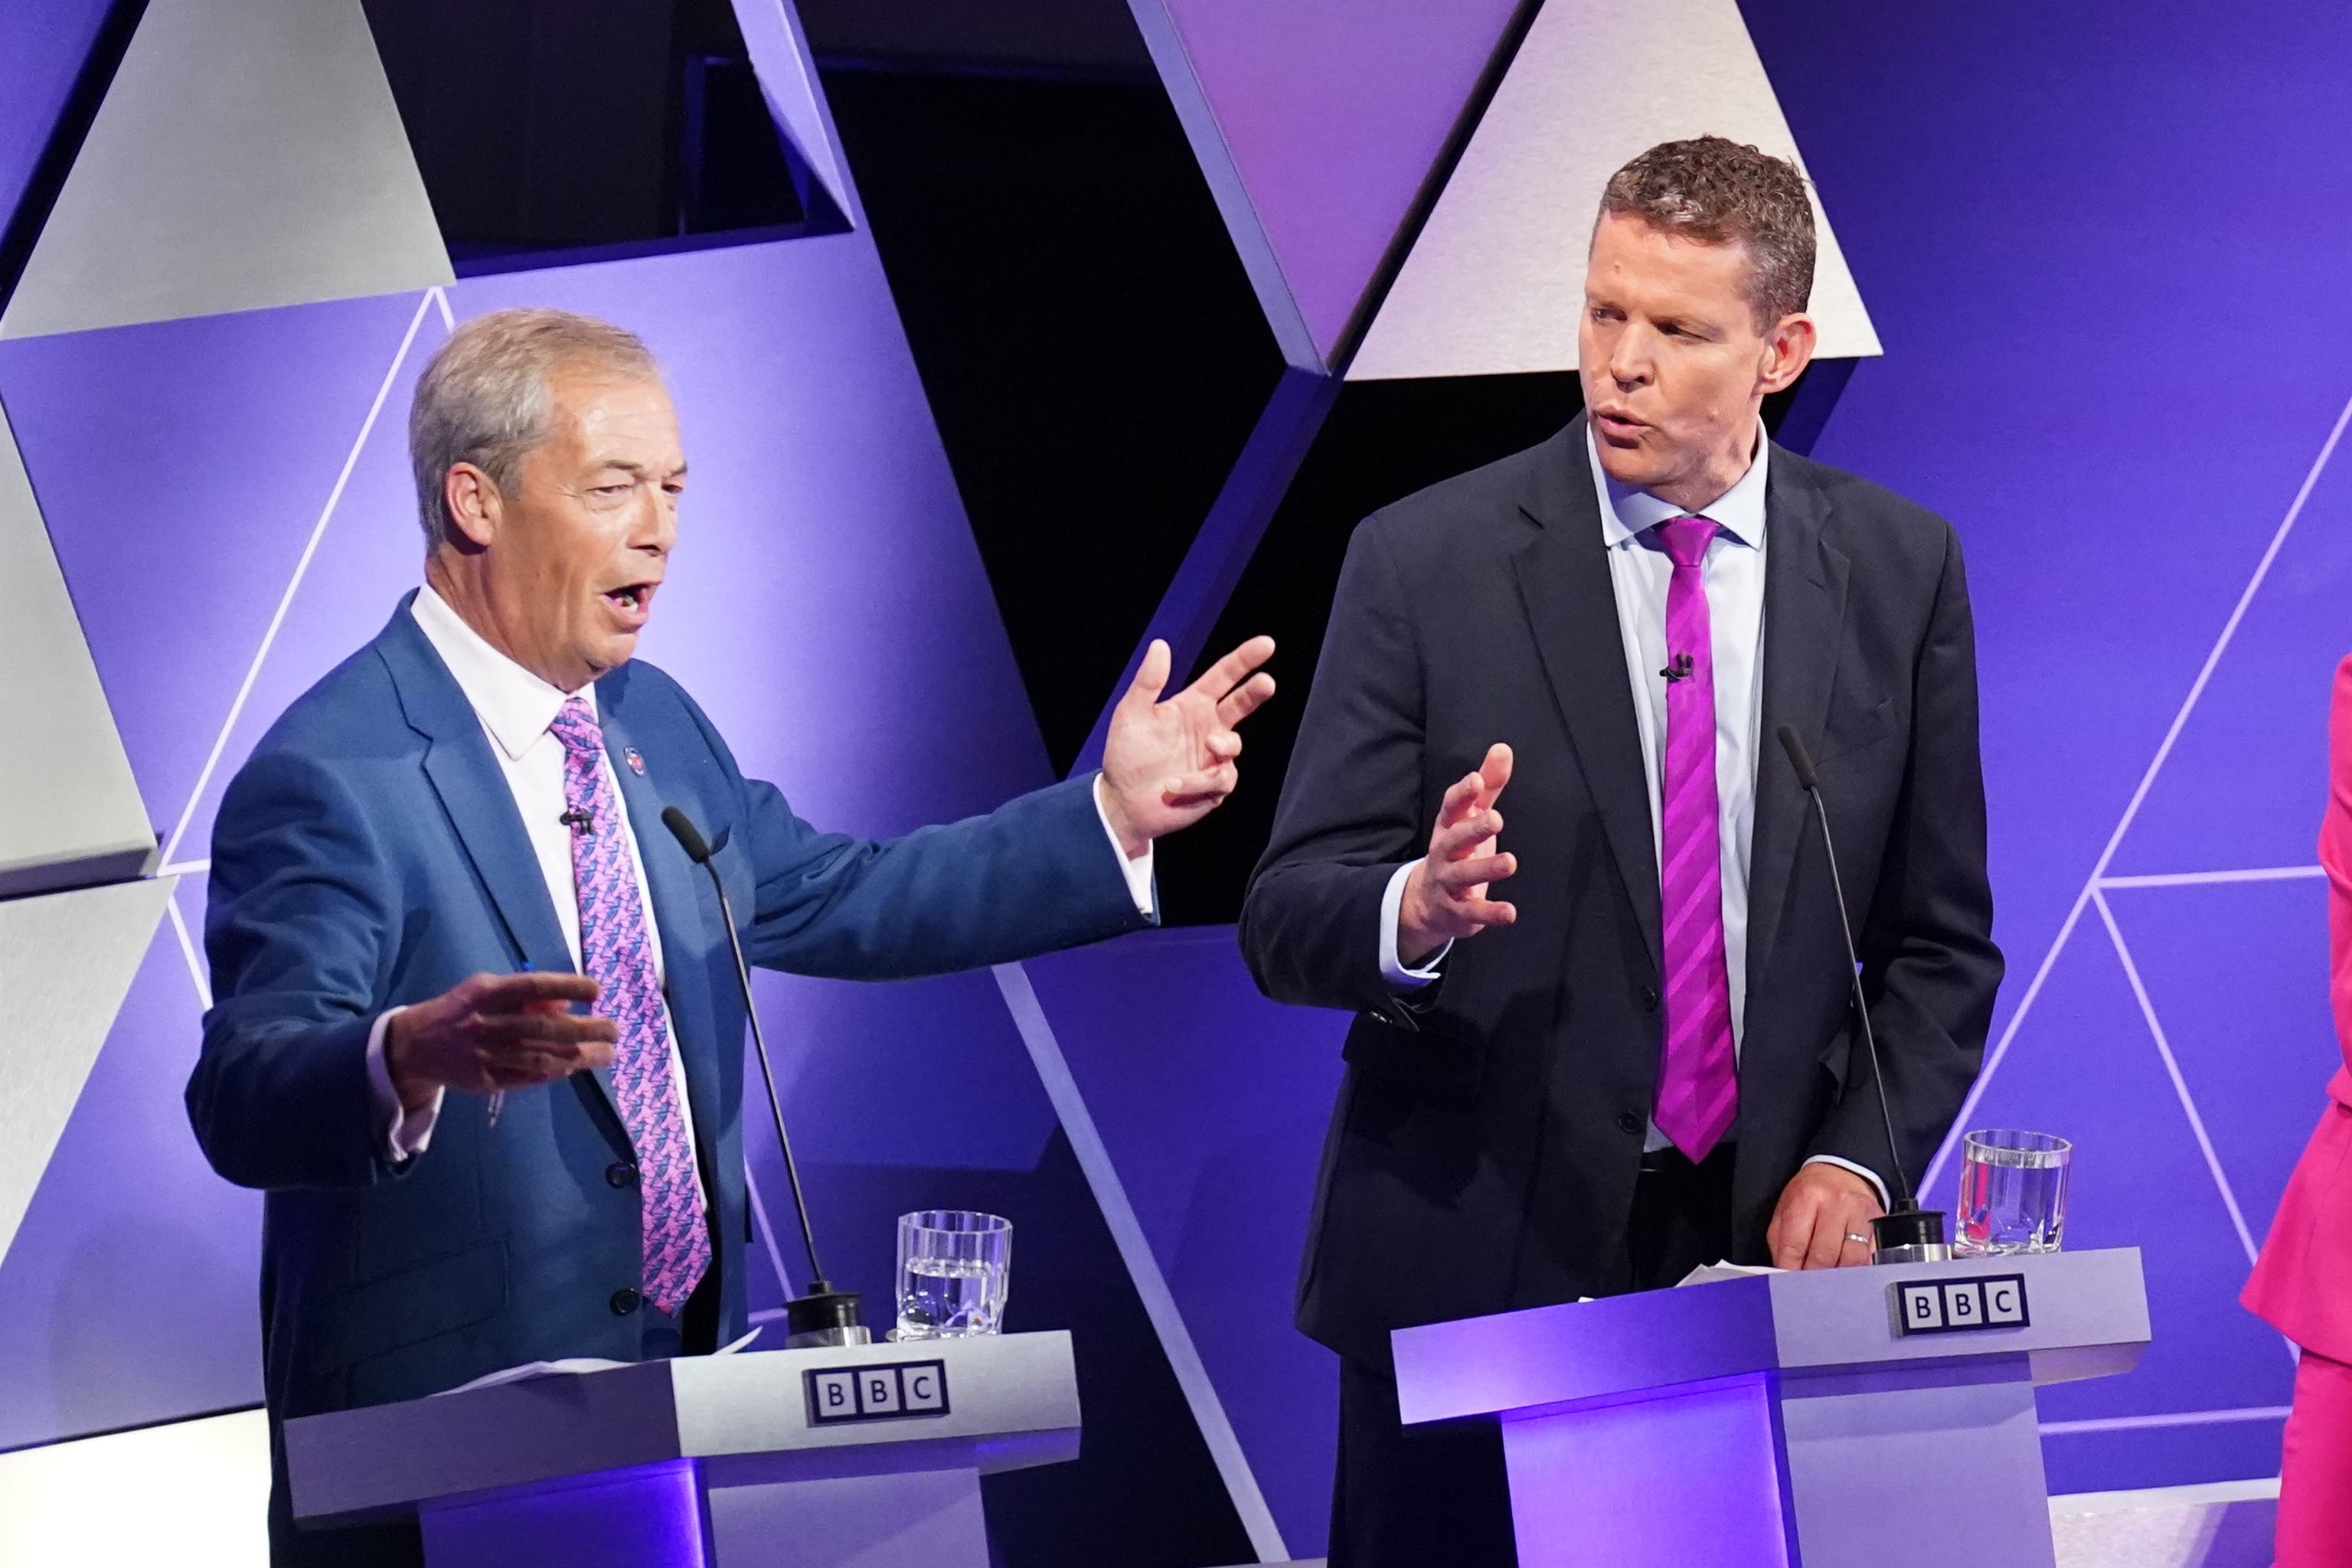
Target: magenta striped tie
(1698, 1080)
(615, 948)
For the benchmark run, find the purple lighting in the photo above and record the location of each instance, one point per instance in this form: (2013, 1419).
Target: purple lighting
(1695, 1475)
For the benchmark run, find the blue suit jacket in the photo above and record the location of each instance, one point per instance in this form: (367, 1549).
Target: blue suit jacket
(369, 855)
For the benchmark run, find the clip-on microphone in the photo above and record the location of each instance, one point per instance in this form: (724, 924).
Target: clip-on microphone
(825, 1316)
(1905, 1232)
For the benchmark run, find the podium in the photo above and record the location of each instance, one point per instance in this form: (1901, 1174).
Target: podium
(1876, 1418)
(866, 1455)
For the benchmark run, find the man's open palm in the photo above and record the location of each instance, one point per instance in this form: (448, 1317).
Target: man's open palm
(1168, 764)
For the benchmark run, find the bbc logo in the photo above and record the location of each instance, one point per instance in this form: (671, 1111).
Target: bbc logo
(1957, 1306)
(877, 1393)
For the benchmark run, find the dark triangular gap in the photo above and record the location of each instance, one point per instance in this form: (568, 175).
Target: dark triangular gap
(1091, 348)
(1383, 440)
(551, 131)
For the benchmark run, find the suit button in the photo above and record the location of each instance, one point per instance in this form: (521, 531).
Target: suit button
(1649, 998)
(621, 1174)
(1628, 1122)
(625, 1301)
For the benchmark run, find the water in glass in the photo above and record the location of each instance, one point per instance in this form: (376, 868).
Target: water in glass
(2012, 1193)
(954, 1272)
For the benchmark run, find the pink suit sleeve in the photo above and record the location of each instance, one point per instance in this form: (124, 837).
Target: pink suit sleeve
(2336, 857)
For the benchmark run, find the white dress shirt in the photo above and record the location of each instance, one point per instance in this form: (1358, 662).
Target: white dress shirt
(1640, 572)
(516, 708)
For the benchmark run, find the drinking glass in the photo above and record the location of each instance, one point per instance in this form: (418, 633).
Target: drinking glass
(2012, 1193)
(954, 1269)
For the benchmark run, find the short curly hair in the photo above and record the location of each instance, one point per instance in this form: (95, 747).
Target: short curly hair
(1719, 191)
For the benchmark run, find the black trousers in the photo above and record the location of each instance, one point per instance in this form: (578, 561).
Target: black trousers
(1436, 1496)
(400, 1544)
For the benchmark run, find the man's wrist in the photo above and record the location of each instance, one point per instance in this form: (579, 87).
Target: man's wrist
(414, 1093)
(1113, 807)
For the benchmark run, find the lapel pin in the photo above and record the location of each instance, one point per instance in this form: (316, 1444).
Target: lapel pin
(637, 763)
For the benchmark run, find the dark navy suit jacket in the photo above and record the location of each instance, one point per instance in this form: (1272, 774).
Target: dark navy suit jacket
(1484, 1151)
(369, 855)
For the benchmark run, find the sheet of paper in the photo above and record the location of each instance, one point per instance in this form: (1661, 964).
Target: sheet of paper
(1708, 1274)
(569, 1365)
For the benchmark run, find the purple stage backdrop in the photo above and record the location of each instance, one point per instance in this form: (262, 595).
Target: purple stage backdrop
(2104, 246)
(230, 503)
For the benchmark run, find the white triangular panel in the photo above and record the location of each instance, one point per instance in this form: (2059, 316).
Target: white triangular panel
(72, 812)
(66, 961)
(1495, 281)
(248, 154)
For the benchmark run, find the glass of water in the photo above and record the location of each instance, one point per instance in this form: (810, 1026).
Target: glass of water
(2012, 1193)
(954, 1267)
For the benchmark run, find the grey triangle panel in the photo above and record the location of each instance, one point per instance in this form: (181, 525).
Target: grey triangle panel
(74, 815)
(66, 961)
(248, 154)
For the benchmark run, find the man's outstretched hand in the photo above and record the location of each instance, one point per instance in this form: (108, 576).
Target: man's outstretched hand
(1168, 764)
(494, 1032)
(1445, 895)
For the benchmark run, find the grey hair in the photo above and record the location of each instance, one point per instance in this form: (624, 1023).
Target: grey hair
(484, 399)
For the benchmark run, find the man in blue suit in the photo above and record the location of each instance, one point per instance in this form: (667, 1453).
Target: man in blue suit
(478, 1034)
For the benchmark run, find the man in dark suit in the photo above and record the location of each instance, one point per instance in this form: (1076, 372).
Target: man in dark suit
(1647, 1059)
(449, 849)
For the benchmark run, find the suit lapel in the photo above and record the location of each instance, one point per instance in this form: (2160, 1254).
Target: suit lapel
(481, 811)
(1804, 627)
(686, 946)
(1564, 588)
(473, 794)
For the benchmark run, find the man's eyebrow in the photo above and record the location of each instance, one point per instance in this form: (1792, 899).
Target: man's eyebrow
(626, 467)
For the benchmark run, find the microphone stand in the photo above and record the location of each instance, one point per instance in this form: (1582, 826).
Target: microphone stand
(1905, 1232)
(823, 1316)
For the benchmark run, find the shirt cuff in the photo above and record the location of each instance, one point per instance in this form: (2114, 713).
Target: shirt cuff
(1394, 973)
(402, 1134)
(1866, 1173)
(1138, 871)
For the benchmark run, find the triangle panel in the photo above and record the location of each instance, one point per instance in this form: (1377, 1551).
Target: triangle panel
(2246, 783)
(192, 197)
(182, 467)
(2085, 1067)
(1329, 116)
(1495, 283)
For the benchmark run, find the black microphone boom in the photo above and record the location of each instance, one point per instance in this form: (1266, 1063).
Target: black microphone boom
(1907, 1231)
(825, 1316)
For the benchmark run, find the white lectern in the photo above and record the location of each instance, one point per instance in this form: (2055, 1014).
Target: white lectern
(866, 1455)
(1879, 1417)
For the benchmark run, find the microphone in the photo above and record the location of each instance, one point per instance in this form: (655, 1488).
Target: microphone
(578, 821)
(1905, 1232)
(823, 1316)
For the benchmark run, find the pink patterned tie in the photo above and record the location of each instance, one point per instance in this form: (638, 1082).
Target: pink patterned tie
(614, 948)
(1699, 1080)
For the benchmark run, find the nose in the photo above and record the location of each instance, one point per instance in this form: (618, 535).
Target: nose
(1629, 358)
(656, 530)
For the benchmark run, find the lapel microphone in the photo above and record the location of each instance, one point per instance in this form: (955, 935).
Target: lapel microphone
(825, 1316)
(578, 821)
(1905, 1232)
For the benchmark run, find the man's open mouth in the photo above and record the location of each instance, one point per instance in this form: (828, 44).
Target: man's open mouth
(634, 600)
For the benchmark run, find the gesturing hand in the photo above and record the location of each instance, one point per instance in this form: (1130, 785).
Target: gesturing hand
(1445, 896)
(494, 1032)
(1168, 764)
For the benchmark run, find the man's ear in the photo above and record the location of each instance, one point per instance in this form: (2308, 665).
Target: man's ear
(474, 504)
(1787, 350)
